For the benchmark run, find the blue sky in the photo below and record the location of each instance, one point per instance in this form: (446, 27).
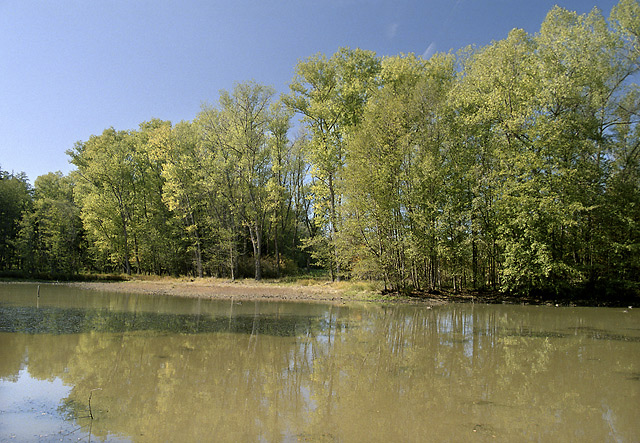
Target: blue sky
(70, 69)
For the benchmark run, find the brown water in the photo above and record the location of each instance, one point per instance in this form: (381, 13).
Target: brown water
(166, 369)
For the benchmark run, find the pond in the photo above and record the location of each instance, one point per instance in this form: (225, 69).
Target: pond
(123, 367)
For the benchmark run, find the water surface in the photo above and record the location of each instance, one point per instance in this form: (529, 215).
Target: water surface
(103, 366)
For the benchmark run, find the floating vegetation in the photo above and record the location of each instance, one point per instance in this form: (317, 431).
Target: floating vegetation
(583, 331)
(53, 320)
(528, 333)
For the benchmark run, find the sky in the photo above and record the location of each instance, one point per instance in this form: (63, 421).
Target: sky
(70, 69)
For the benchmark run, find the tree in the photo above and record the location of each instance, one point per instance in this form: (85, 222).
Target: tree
(106, 194)
(540, 114)
(182, 192)
(15, 198)
(238, 161)
(160, 244)
(394, 170)
(331, 94)
(280, 199)
(494, 102)
(51, 238)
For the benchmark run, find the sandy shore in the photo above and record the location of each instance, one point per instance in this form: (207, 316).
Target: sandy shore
(243, 290)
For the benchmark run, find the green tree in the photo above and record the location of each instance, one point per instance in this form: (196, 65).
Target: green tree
(15, 198)
(583, 83)
(239, 161)
(106, 194)
(281, 184)
(217, 180)
(619, 254)
(394, 170)
(51, 237)
(541, 113)
(494, 101)
(160, 246)
(245, 114)
(182, 190)
(331, 94)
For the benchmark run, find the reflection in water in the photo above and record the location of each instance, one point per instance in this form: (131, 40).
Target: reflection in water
(28, 394)
(52, 320)
(219, 371)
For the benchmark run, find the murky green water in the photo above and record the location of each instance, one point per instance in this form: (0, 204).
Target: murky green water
(165, 369)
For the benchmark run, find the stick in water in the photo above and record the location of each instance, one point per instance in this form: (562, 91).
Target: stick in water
(91, 394)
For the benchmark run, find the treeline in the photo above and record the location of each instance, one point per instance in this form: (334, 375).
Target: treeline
(512, 167)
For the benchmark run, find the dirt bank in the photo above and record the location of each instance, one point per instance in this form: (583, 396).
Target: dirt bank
(328, 292)
(246, 290)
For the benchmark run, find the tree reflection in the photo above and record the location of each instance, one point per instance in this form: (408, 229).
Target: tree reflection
(362, 373)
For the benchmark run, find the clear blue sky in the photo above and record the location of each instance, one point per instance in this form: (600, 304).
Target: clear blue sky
(70, 69)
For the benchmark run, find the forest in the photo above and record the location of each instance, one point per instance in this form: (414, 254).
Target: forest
(513, 167)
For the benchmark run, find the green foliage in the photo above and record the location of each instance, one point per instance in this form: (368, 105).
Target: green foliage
(331, 95)
(50, 240)
(511, 167)
(15, 198)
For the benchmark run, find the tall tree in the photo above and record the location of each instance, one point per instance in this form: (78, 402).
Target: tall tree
(106, 194)
(494, 101)
(331, 94)
(620, 249)
(51, 238)
(540, 111)
(183, 192)
(239, 162)
(279, 185)
(15, 198)
(394, 171)
(160, 245)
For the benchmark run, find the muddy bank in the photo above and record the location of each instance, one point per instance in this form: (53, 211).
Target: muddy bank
(328, 292)
(247, 290)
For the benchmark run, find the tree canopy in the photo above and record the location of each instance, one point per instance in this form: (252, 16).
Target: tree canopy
(513, 167)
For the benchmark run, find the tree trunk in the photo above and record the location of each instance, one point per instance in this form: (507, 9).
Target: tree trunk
(277, 251)
(198, 251)
(256, 240)
(137, 253)
(127, 264)
(334, 230)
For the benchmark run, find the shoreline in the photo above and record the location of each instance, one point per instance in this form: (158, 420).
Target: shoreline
(314, 291)
(219, 289)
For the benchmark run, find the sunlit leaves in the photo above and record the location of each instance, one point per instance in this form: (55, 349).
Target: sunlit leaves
(331, 95)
